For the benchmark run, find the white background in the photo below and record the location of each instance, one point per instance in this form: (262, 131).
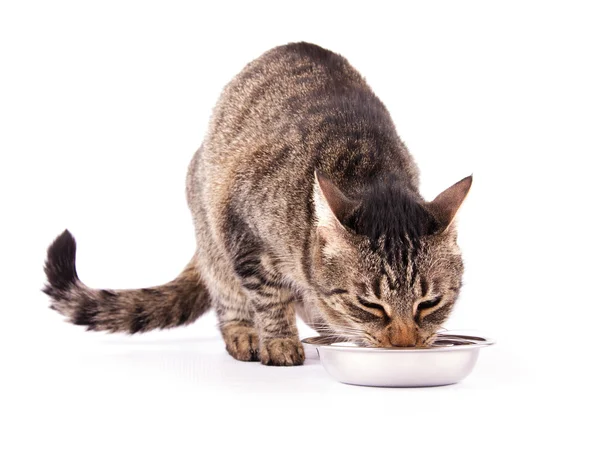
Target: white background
(101, 108)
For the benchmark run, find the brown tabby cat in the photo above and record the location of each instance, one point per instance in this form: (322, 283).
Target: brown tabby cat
(304, 201)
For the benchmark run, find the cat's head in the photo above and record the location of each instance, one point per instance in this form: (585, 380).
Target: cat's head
(386, 266)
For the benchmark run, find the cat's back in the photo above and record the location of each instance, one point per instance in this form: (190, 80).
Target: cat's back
(294, 109)
(260, 147)
(276, 88)
(296, 68)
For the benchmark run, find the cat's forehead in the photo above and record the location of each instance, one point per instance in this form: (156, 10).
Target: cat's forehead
(388, 284)
(424, 269)
(389, 216)
(406, 271)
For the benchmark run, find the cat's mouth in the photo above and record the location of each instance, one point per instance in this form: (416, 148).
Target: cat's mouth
(369, 341)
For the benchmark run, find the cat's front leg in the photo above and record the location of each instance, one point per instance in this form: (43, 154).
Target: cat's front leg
(241, 340)
(275, 319)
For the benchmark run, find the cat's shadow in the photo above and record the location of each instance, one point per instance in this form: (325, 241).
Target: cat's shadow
(203, 361)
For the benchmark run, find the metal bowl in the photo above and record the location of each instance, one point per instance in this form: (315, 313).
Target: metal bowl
(450, 359)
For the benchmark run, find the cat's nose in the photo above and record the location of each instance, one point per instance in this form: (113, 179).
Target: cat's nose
(404, 343)
(402, 335)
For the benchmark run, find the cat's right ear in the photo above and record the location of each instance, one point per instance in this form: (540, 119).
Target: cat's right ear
(332, 207)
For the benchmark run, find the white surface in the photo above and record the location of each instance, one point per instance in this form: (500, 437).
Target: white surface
(101, 109)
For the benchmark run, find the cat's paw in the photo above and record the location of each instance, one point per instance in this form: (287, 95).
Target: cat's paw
(241, 342)
(281, 352)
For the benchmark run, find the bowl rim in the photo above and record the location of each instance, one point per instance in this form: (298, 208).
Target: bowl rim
(473, 343)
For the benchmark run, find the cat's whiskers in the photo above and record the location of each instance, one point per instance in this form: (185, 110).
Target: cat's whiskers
(348, 334)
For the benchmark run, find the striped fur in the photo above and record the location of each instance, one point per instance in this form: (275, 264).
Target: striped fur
(304, 200)
(177, 303)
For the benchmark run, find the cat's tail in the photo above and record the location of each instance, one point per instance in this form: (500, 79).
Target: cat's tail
(176, 303)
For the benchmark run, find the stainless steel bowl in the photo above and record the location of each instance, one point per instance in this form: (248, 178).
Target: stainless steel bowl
(450, 359)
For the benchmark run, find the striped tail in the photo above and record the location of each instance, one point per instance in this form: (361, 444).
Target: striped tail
(176, 303)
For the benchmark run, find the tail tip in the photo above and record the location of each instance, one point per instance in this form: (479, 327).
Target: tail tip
(60, 263)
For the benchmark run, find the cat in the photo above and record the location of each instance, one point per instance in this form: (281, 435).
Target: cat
(305, 201)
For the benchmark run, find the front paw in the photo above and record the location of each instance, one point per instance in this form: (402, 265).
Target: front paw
(281, 352)
(241, 341)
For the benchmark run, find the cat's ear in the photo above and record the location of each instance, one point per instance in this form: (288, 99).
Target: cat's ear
(445, 206)
(332, 207)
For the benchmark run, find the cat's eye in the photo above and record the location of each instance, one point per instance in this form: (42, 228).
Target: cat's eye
(369, 305)
(429, 304)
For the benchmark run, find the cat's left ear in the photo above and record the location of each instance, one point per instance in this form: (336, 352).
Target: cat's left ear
(445, 206)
